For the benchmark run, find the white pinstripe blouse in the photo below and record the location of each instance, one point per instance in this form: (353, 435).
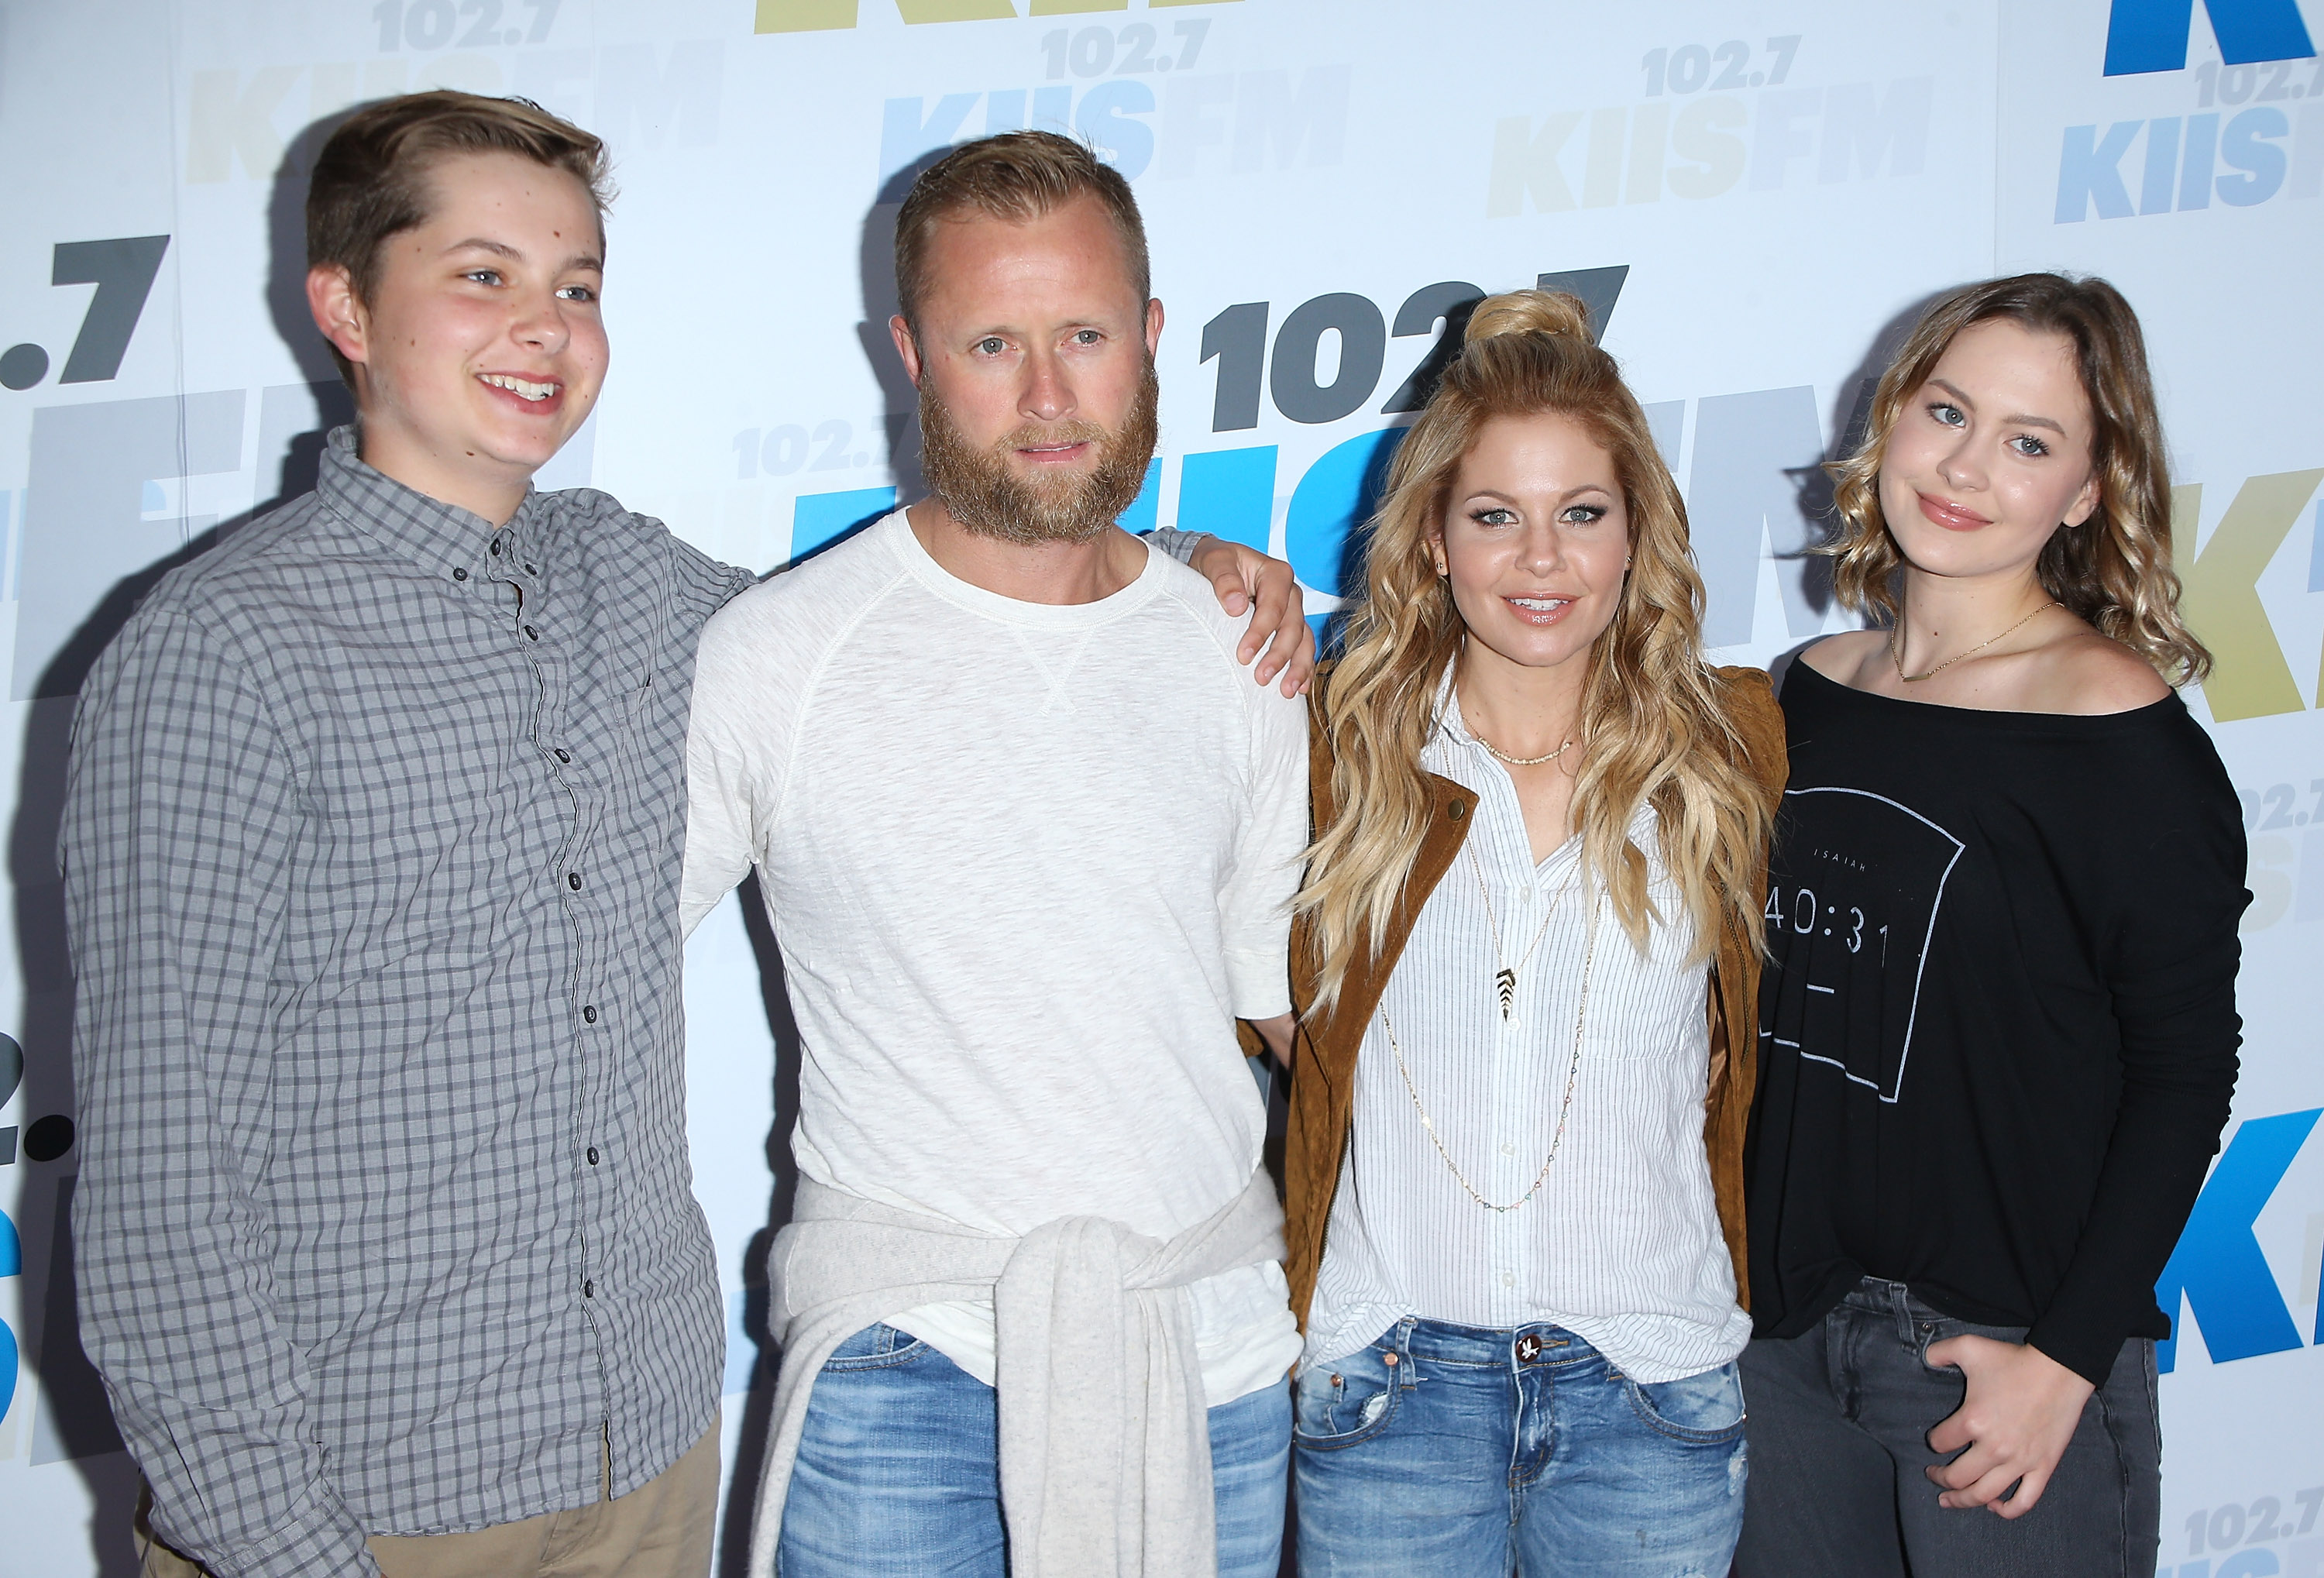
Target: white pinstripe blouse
(1622, 1244)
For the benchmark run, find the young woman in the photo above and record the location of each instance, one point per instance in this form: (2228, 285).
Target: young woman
(1998, 1021)
(1525, 958)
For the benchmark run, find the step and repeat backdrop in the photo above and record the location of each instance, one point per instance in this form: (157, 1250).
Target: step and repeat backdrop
(1753, 197)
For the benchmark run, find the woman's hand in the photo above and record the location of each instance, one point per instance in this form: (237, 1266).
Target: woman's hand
(1244, 578)
(2020, 1413)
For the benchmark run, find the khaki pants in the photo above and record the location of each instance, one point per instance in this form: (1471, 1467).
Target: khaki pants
(662, 1529)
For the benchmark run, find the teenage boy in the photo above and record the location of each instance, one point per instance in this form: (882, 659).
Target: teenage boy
(1031, 843)
(388, 1251)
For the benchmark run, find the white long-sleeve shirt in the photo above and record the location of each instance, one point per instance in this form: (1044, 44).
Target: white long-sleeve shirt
(1027, 863)
(1622, 1245)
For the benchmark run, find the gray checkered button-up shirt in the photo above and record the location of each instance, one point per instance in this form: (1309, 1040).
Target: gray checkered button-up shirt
(372, 847)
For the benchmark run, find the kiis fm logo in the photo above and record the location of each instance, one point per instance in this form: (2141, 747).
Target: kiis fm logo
(828, 15)
(2273, 147)
(2151, 35)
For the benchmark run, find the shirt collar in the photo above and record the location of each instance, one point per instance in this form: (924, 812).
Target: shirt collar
(1449, 722)
(442, 538)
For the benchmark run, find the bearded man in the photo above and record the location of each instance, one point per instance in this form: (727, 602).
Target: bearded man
(1029, 835)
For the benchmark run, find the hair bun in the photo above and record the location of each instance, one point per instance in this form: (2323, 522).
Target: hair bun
(1551, 312)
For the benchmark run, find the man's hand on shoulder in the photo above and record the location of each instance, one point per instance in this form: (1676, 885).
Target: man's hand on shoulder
(1246, 579)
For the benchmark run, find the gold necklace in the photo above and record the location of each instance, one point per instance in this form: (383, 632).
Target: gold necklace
(1504, 757)
(1896, 656)
(1495, 752)
(1572, 1071)
(1505, 979)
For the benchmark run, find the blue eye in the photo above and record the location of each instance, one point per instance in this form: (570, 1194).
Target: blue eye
(1584, 515)
(992, 345)
(1494, 516)
(578, 294)
(484, 276)
(1951, 415)
(2029, 446)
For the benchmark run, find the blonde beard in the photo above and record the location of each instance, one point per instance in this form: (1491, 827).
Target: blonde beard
(981, 491)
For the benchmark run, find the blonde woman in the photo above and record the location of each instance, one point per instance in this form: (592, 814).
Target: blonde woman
(1525, 959)
(1999, 1008)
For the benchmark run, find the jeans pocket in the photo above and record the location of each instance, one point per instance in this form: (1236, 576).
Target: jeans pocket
(1706, 1409)
(1346, 1402)
(875, 1347)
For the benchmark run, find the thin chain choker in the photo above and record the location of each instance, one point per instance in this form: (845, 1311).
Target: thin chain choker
(1896, 653)
(1495, 752)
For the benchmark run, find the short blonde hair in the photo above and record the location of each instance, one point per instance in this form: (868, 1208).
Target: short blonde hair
(1016, 176)
(370, 182)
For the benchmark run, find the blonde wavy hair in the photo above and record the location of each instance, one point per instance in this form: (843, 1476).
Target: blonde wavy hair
(1655, 728)
(2114, 569)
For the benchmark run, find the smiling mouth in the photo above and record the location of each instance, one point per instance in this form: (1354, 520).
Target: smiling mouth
(1539, 610)
(522, 388)
(1950, 516)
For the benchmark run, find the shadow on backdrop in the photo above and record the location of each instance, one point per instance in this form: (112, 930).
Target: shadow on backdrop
(93, 476)
(821, 520)
(812, 535)
(759, 1397)
(1851, 418)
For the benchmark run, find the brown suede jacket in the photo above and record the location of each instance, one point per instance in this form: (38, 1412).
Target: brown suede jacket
(1324, 1050)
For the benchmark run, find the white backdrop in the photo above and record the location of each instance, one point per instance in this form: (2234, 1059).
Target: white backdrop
(1755, 195)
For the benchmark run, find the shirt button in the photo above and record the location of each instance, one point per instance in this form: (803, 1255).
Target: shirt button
(589, 1289)
(572, 880)
(589, 1016)
(458, 573)
(1457, 809)
(531, 571)
(592, 1155)
(496, 548)
(531, 635)
(1508, 1280)
(1508, 1150)
(565, 756)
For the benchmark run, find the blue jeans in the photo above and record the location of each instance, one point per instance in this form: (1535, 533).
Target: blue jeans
(1455, 1453)
(899, 1470)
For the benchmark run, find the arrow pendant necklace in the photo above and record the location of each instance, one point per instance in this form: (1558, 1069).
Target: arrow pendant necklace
(1505, 979)
(1565, 1107)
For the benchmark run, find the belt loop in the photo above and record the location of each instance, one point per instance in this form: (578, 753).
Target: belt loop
(1901, 1296)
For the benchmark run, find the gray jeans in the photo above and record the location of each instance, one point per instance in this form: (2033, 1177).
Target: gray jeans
(1839, 1427)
